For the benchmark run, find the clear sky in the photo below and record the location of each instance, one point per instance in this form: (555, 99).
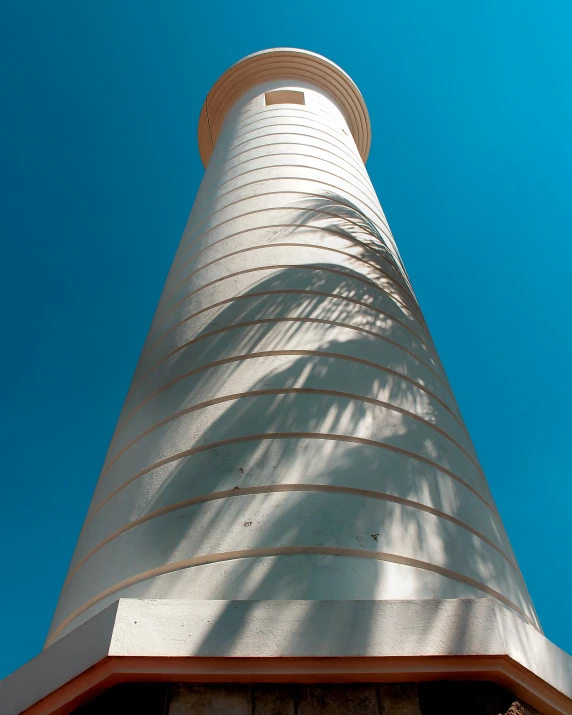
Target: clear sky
(471, 111)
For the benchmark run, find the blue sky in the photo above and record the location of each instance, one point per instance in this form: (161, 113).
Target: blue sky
(471, 110)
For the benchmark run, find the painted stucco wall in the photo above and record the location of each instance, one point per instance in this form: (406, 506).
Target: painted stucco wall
(290, 432)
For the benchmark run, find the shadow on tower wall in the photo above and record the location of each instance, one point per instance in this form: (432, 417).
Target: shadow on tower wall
(311, 340)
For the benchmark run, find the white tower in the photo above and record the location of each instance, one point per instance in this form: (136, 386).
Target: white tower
(290, 438)
(290, 432)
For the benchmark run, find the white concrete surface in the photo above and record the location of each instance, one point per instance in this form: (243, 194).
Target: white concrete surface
(473, 634)
(290, 432)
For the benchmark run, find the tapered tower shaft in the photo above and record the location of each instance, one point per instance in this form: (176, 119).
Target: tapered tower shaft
(289, 432)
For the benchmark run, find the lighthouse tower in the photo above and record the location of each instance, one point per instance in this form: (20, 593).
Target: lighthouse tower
(291, 496)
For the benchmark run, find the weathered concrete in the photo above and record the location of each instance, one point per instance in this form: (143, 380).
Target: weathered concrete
(443, 698)
(399, 699)
(275, 699)
(211, 700)
(338, 700)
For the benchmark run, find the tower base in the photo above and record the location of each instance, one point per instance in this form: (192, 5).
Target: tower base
(391, 655)
(437, 698)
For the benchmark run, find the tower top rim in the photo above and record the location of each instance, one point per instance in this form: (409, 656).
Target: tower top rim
(282, 63)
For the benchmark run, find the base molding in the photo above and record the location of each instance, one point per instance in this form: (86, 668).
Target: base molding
(293, 642)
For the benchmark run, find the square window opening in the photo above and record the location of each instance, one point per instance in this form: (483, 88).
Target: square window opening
(284, 96)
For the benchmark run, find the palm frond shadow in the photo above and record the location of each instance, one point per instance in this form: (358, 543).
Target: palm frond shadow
(299, 354)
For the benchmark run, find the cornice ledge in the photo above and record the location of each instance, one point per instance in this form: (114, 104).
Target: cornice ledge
(286, 641)
(282, 63)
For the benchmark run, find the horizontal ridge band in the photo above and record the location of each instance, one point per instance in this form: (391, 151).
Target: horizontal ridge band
(280, 488)
(290, 391)
(263, 436)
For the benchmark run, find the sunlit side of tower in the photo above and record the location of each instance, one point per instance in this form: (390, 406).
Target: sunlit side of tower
(290, 432)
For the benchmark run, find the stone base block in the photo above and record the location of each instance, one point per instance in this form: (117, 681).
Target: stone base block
(441, 698)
